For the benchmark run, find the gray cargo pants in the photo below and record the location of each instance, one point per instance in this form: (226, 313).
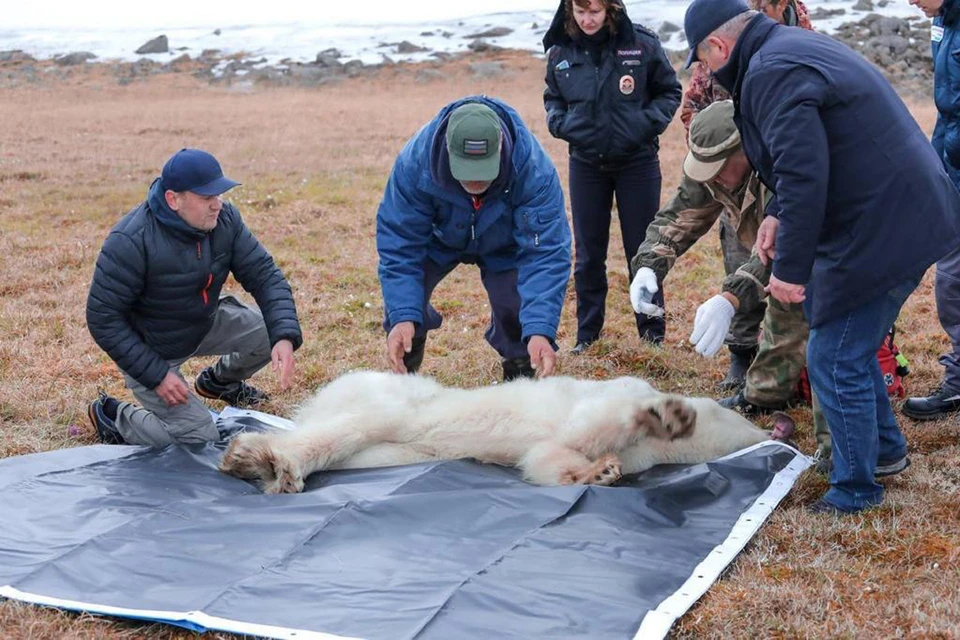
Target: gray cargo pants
(239, 336)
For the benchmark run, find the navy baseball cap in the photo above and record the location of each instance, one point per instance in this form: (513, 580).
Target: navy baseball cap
(197, 171)
(703, 17)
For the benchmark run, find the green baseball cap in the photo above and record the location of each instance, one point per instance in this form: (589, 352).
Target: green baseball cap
(713, 139)
(473, 142)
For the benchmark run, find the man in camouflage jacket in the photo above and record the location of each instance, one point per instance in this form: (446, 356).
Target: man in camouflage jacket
(721, 183)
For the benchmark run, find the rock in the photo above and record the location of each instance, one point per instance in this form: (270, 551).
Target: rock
(16, 55)
(429, 75)
(534, 26)
(216, 32)
(480, 46)
(353, 68)
(486, 69)
(332, 52)
(157, 45)
(496, 32)
(883, 3)
(667, 28)
(426, 34)
(821, 14)
(77, 57)
(862, 5)
(209, 55)
(408, 47)
(327, 60)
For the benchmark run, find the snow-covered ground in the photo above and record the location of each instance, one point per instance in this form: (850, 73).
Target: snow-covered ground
(114, 30)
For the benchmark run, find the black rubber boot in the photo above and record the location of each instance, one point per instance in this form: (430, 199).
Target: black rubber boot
(740, 360)
(517, 368)
(414, 359)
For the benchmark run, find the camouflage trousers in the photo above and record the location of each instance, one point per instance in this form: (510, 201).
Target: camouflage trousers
(773, 376)
(745, 328)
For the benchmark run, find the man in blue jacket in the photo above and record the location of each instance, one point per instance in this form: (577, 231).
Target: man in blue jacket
(862, 207)
(946, 141)
(155, 302)
(474, 186)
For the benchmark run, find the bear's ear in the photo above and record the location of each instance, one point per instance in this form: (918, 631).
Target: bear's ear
(782, 426)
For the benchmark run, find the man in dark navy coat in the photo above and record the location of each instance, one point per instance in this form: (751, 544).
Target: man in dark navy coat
(862, 207)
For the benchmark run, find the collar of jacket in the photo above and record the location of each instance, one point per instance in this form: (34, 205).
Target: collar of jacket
(950, 12)
(168, 218)
(557, 33)
(730, 76)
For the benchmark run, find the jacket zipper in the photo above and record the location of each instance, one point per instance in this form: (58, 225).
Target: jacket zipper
(477, 203)
(204, 293)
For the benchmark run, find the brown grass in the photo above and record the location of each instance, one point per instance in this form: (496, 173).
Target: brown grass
(76, 154)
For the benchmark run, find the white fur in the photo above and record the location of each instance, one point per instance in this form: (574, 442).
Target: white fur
(558, 430)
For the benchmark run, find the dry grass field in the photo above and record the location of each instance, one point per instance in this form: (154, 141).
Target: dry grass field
(76, 154)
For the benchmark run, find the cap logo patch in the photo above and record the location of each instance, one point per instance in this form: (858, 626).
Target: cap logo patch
(475, 147)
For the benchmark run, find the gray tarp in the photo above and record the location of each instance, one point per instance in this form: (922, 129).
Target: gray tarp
(433, 550)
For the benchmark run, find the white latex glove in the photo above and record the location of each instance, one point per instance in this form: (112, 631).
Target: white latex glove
(711, 324)
(642, 288)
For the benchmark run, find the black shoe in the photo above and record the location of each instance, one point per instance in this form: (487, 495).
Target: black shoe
(740, 360)
(884, 468)
(238, 394)
(821, 506)
(739, 402)
(581, 346)
(887, 468)
(938, 404)
(517, 368)
(106, 427)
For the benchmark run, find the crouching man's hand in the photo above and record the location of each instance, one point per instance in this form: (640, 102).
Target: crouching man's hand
(642, 288)
(542, 356)
(173, 390)
(711, 324)
(399, 342)
(283, 363)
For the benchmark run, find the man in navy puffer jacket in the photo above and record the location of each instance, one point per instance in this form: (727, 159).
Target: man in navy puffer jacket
(155, 302)
(474, 186)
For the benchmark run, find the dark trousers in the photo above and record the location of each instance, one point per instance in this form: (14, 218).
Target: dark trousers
(504, 332)
(592, 187)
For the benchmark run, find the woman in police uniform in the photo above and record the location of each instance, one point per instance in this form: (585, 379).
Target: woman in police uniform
(610, 93)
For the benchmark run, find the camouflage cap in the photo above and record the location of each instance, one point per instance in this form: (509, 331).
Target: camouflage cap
(713, 139)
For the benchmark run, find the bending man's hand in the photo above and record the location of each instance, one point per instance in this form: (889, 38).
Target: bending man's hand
(711, 324)
(642, 288)
(785, 292)
(766, 245)
(399, 342)
(282, 358)
(542, 356)
(173, 390)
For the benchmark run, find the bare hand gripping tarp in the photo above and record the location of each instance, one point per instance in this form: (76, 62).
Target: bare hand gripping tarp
(434, 550)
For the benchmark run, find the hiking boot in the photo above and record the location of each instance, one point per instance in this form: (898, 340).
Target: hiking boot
(821, 506)
(105, 425)
(739, 402)
(238, 394)
(938, 404)
(740, 360)
(887, 468)
(581, 346)
(514, 368)
(884, 468)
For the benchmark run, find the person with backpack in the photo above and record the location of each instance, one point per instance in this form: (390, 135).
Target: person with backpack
(611, 91)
